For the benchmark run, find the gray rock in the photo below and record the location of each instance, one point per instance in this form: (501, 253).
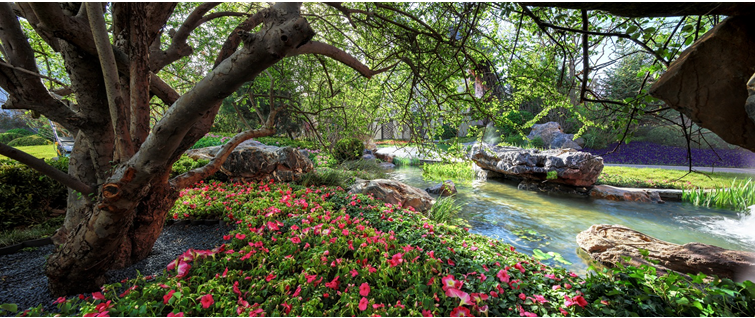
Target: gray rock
(253, 161)
(368, 157)
(553, 137)
(386, 165)
(394, 192)
(608, 244)
(552, 188)
(618, 194)
(444, 189)
(572, 167)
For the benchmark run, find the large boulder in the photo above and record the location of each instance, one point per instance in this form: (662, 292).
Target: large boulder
(553, 137)
(572, 167)
(620, 194)
(253, 161)
(708, 81)
(609, 244)
(444, 189)
(394, 192)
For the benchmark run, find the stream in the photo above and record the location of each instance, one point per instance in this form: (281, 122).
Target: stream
(532, 220)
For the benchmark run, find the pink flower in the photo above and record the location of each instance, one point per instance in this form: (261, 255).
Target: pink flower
(168, 296)
(310, 278)
(98, 296)
(464, 297)
(503, 276)
(540, 299)
(522, 296)
(207, 301)
(180, 314)
(270, 277)
(577, 300)
(240, 236)
(295, 240)
(333, 284)
(461, 312)
(296, 293)
(364, 289)
(425, 312)
(563, 312)
(59, 300)
(567, 286)
(519, 267)
(450, 282)
(363, 304)
(354, 273)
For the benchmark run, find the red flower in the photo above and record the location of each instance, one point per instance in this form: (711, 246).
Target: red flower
(563, 312)
(354, 273)
(59, 300)
(295, 240)
(180, 314)
(333, 284)
(519, 267)
(363, 304)
(364, 289)
(578, 300)
(461, 312)
(207, 301)
(270, 277)
(240, 236)
(287, 308)
(168, 296)
(522, 296)
(98, 296)
(425, 312)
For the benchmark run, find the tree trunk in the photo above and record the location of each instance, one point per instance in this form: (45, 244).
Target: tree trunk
(75, 267)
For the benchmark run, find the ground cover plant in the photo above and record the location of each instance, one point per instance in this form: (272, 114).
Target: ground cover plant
(666, 178)
(41, 152)
(456, 171)
(301, 251)
(648, 153)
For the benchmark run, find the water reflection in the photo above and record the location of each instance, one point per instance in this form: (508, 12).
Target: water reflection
(499, 210)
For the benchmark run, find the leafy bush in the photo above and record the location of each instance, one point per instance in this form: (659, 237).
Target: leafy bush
(597, 139)
(210, 140)
(517, 118)
(185, 164)
(399, 162)
(27, 196)
(325, 177)
(448, 132)
(287, 142)
(7, 137)
(348, 149)
(666, 135)
(20, 131)
(537, 142)
(31, 140)
(515, 140)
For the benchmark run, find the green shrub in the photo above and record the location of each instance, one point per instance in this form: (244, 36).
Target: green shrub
(448, 132)
(185, 164)
(21, 131)
(515, 140)
(210, 140)
(667, 135)
(7, 137)
(537, 142)
(325, 177)
(287, 142)
(598, 139)
(32, 140)
(27, 196)
(517, 118)
(348, 149)
(399, 162)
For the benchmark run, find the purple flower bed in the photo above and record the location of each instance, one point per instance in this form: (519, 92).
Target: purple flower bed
(648, 153)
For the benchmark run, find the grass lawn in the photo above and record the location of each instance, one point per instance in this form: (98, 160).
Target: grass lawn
(666, 179)
(42, 152)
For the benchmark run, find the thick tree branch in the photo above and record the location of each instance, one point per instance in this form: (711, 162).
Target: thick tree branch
(585, 57)
(2, 63)
(314, 47)
(44, 168)
(178, 47)
(234, 39)
(117, 104)
(193, 176)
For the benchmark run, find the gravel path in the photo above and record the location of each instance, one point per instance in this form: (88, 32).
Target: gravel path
(22, 279)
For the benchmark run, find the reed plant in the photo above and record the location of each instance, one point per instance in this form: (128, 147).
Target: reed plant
(737, 197)
(399, 162)
(444, 210)
(456, 171)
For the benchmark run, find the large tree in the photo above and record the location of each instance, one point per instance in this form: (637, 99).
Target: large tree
(118, 57)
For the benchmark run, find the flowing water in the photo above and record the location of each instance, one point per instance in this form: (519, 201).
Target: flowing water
(531, 220)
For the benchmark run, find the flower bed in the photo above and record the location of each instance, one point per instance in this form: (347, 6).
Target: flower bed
(648, 153)
(322, 252)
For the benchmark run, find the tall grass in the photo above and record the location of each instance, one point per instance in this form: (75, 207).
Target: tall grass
(37, 231)
(737, 197)
(457, 171)
(405, 161)
(444, 210)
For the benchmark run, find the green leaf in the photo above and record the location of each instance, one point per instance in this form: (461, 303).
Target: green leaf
(682, 301)
(631, 29)
(538, 254)
(9, 307)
